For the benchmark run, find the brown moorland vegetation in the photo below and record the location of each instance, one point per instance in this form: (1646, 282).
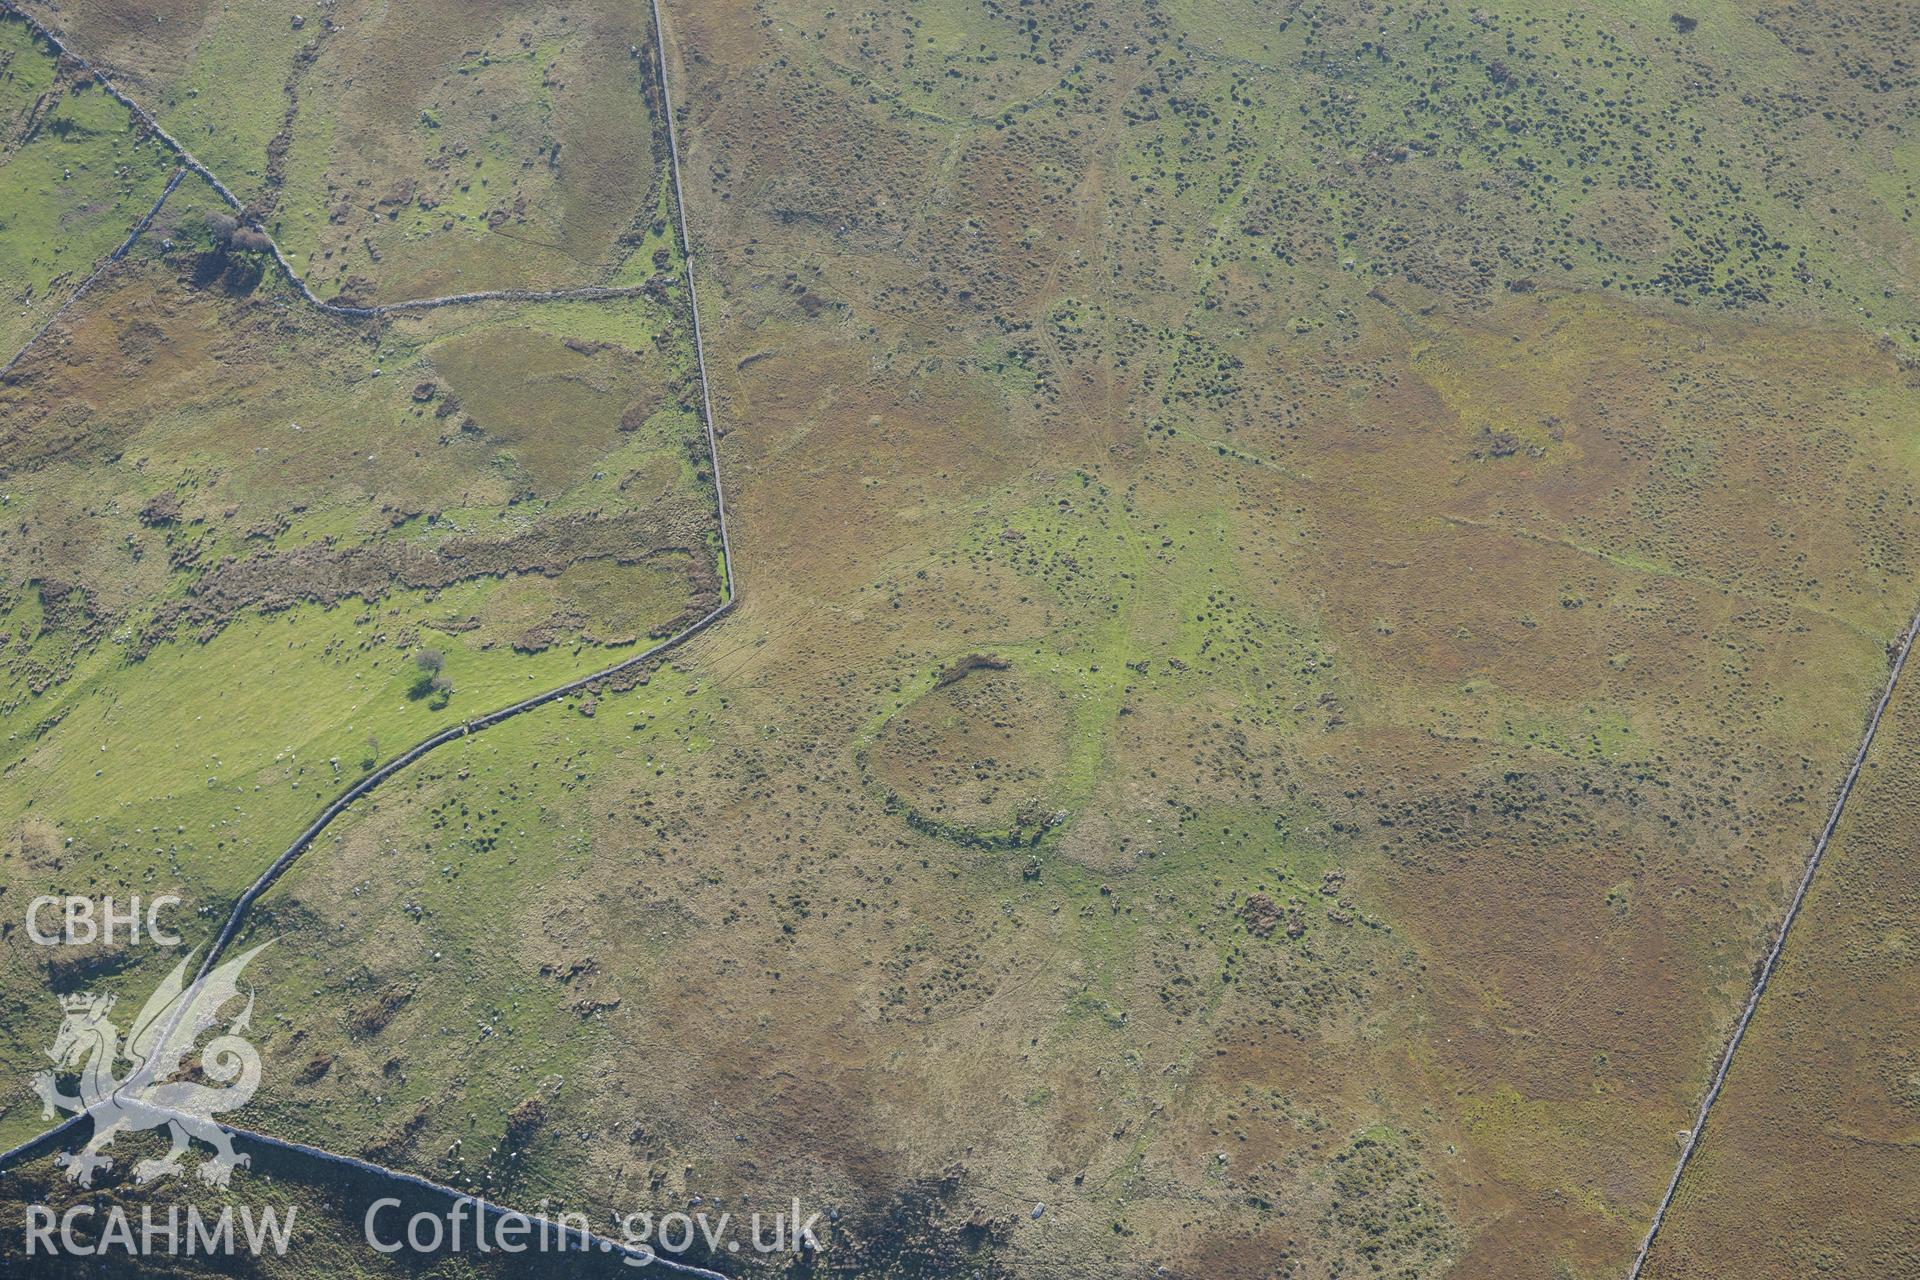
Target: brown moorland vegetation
(1809, 1164)
(406, 151)
(1439, 597)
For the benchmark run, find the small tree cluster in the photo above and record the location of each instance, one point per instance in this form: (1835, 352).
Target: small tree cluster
(430, 681)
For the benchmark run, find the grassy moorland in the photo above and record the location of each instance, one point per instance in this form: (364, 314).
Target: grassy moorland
(399, 152)
(1808, 1163)
(1276, 734)
(74, 178)
(271, 554)
(1311, 572)
(255, 550)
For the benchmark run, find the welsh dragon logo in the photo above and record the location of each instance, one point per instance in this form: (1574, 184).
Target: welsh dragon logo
(148, 1096)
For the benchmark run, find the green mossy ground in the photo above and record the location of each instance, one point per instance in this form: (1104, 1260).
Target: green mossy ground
(1440, 480)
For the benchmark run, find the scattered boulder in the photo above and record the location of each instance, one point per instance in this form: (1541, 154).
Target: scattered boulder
(161, 510)
(1261, 914)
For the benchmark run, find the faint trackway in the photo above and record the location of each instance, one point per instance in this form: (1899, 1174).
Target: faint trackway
(1653, 570)
(1779, 943)
(57, 1136)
